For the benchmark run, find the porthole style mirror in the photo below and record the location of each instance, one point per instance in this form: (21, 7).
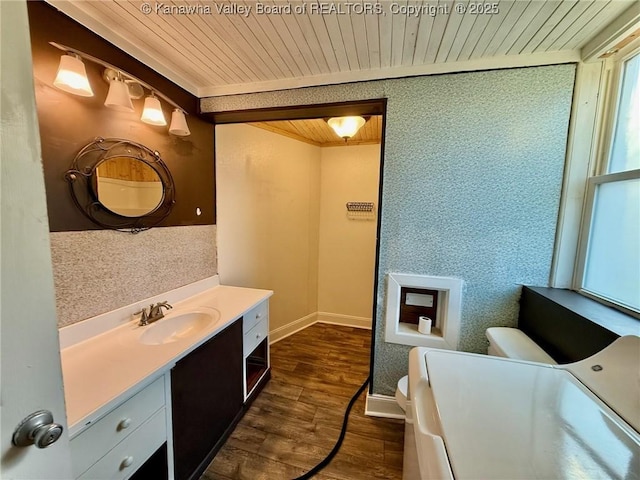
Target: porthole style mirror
(122, 185)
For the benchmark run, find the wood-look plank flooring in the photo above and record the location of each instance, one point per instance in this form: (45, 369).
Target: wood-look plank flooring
(295, 421)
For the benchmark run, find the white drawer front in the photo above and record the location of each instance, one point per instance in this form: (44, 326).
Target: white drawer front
(126, 457)
(254, 336)
(107, 432)
(253, 316)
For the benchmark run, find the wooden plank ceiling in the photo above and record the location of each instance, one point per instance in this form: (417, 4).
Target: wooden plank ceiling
(226, 47)
(317, 132)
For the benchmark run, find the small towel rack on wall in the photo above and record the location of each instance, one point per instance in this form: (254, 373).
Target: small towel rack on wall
(359, 206)
(361, 210)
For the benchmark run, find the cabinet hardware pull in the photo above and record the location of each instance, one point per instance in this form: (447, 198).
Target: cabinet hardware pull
(126, 462)
(124, 424)
(258, 315)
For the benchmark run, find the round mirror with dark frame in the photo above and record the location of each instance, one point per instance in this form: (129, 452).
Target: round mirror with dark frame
(121, 185)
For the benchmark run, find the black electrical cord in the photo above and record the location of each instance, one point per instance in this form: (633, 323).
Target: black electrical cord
(338, 444)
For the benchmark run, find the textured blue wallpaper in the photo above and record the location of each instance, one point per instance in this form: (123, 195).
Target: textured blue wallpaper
(473, 167)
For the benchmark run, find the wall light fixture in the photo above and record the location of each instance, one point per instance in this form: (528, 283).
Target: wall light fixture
(152, 113)
(179, 125)
(118, 97)
(72, 78)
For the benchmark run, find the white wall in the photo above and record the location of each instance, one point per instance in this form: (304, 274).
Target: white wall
(268, 199)
(282, 224)
(347, 246)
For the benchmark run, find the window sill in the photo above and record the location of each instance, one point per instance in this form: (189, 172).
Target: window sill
(613, 320)
(570, 326)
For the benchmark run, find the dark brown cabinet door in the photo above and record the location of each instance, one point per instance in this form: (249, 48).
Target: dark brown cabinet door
(206, 396)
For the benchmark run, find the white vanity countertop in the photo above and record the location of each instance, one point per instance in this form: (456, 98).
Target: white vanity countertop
(104, 370)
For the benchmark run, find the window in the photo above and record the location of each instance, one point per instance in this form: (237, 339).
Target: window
(608, 266)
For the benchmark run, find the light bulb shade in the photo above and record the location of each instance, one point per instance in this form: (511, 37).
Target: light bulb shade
(346, 127)
(152, 113)
(72, 76)
(118, 97)
(179, 125)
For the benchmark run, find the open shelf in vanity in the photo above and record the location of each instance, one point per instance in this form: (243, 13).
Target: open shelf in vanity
(256, 365)
(255, 325)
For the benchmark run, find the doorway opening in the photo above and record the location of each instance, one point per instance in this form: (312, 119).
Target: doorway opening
(298, 212)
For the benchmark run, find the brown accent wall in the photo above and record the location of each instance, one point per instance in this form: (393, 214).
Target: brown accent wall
(68, 122)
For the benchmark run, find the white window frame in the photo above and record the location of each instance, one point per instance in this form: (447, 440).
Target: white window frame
(598, 87)
(583, 245)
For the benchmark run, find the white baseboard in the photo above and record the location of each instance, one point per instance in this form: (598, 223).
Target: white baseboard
(344, 320)
(293, 327)
(382, 406)
(318, 317)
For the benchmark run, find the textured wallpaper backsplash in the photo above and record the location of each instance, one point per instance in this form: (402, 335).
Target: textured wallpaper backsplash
(98, 271)
(473, 166)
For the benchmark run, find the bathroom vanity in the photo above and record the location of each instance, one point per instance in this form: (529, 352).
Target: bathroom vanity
(161, 399)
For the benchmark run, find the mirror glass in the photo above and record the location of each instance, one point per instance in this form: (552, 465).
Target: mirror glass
(128, 186)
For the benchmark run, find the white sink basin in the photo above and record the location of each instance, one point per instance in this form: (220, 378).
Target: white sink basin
(179, 326)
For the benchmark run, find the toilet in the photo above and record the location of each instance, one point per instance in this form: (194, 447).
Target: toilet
(513, 343)
(401, 392)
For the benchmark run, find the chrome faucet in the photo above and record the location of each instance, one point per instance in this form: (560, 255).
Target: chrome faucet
(144, 317)
(155, 313)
